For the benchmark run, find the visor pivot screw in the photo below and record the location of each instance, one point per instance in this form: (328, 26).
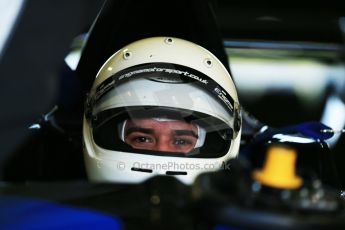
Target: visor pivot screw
(208, 63)
(127, 55)
(169, 41)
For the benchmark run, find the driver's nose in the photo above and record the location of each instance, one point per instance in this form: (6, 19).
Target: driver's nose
(163, 145)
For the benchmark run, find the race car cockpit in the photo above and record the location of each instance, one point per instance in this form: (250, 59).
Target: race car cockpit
(172, 114)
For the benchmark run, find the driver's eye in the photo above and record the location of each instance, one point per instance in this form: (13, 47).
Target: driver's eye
(182, 142)
(143, 139)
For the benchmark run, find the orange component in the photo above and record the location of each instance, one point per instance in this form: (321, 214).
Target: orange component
(279, 169)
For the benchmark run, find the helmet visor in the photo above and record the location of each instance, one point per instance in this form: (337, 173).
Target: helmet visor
(160, 109)
(162, 131)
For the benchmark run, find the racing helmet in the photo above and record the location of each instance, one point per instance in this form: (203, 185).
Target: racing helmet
(160, 106)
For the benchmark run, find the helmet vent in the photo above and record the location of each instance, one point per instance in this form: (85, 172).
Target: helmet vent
(208, 62)
(141, 170)
(127, 55)
(174, 173)
(169, 41)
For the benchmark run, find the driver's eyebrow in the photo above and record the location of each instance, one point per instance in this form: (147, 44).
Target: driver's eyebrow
(185, 133)
(138, 129)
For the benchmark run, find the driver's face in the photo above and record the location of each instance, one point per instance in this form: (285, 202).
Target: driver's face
(164, 136)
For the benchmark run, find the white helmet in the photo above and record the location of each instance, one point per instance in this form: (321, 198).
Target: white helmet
(160, 106)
